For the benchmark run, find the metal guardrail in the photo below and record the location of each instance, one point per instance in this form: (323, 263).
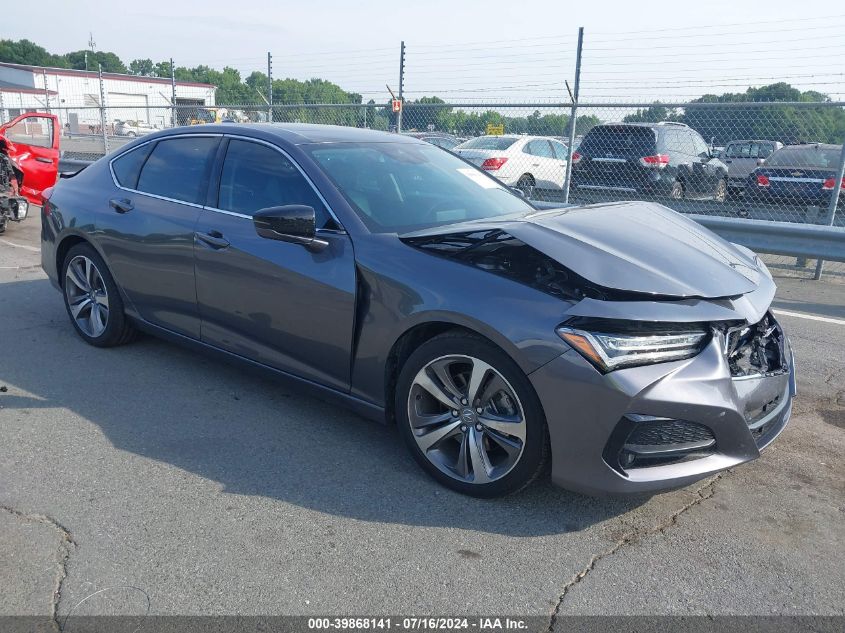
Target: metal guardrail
(780, 238)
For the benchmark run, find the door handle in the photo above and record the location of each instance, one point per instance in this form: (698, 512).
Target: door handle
(214, 239)
(535, 164)
(121, 205)
(42, 159)
(728, 162)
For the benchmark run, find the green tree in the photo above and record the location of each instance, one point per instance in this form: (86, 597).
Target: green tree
(29, 53)
(143, 67)
(111, 63)
(785, 123)
(653, 114)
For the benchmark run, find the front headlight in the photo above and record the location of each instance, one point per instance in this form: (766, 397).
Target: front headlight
(612, 351)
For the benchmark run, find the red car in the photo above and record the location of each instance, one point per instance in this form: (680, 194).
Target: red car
(31, 142)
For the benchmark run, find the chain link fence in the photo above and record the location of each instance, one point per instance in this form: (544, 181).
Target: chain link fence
(776, 161)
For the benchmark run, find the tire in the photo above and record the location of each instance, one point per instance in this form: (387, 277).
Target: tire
(131, 134)
(721, 193)
(677, 192)
(495, 453)
(92, 299)
(526, 185)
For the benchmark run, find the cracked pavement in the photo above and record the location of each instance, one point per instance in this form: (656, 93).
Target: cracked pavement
(180, 485)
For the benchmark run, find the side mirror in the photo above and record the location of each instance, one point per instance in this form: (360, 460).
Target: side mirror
(295, 223)
(761, 161)
(518, 192)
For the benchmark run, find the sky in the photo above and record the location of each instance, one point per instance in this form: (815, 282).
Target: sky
(473, 50)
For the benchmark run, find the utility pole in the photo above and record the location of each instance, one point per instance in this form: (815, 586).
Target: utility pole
(269, 87)
(174, 118)
(401, 87)
(573, 117)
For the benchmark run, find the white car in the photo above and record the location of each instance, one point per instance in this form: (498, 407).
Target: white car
(133, 128)
(524, 162)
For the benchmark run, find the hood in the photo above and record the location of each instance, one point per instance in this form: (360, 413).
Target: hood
(635, 247)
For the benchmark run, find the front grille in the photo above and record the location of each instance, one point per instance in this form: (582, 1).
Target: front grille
(668, 432)
(756, 350)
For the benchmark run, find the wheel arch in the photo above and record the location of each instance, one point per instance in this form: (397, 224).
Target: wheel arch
(410, 340)
(64, 246)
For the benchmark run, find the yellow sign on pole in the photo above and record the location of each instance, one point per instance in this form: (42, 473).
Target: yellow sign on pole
(495, 130)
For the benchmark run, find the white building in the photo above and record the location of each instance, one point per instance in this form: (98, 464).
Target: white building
(75, 95)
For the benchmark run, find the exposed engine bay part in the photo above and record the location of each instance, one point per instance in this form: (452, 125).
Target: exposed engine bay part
(756, 350)
(13, 206)
(500, 253)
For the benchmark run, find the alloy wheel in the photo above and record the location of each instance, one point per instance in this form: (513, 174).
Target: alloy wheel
(466, 419)
(87, 296)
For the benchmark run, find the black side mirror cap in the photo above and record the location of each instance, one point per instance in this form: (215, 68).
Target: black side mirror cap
(294, 223)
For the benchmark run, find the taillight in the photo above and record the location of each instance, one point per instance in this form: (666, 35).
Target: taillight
(828, 184)
(576, 158)
(658, 161)
(762, 181)
(492, 164)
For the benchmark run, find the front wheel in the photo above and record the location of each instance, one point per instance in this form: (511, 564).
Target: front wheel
(470, 416)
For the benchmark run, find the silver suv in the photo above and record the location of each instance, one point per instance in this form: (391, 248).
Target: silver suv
(743, 157)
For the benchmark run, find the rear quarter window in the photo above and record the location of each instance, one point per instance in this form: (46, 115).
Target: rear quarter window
(127, 167)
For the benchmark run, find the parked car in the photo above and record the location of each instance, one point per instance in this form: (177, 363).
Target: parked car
(133, 128)
(524, 162)
(441, 139)
(743, 157)
(798, 174)
(32, 145)
(628, 344)
(663, 159)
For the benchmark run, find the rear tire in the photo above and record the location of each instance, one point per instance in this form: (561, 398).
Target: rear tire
(677, 191)
(721, 193)
(526, 185)
(470, 416)
(92, 299)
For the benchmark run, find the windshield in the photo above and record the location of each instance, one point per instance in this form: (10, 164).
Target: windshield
(807, 157)
(488, 142)
(398, 187)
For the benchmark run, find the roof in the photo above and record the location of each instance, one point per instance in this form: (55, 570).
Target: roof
(812, 146)
(9, 86)
(72, 72)
(297, 133)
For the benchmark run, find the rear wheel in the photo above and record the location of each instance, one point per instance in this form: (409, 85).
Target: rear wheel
(677, 191)
(92, 299)
(526, 184)
(721, 193)
(470, 416)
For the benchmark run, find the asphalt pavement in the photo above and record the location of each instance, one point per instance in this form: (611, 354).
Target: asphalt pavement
(152, 479)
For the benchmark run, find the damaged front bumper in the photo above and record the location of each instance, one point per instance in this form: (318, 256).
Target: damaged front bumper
(14, 208)
(656, 427)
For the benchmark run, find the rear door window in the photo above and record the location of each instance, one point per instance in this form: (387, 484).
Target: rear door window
(256, 177)
(559, 150)
(178, 168)
(540, 148)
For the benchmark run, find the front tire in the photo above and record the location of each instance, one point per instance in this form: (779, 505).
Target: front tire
(92, 299)
(470, 416)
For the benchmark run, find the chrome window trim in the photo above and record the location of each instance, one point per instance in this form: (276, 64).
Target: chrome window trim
(215, 209)
(789, 179)
(156, 140)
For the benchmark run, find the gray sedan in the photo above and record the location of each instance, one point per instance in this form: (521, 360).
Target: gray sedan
(622, 343)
